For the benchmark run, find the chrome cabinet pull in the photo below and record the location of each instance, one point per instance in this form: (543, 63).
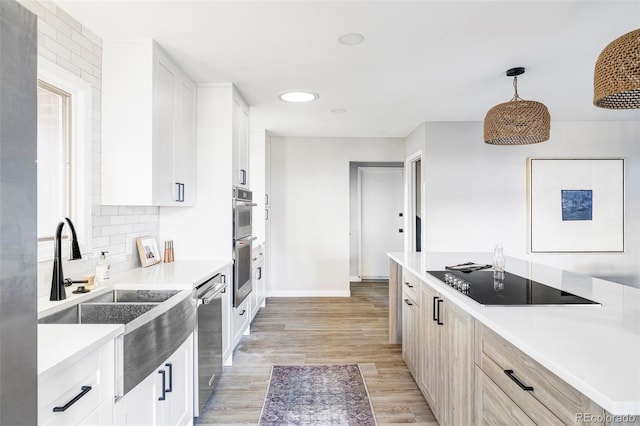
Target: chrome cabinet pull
(84, 390)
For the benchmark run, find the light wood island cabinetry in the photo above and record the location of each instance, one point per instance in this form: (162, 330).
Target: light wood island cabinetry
(445, 375)
(524, 384)
(410, 323)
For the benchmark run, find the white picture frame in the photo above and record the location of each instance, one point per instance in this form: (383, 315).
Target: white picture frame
(575, 205)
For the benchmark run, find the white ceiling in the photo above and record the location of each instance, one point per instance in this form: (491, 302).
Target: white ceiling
(420, 61)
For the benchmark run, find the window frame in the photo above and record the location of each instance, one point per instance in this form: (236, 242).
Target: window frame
(81, 143)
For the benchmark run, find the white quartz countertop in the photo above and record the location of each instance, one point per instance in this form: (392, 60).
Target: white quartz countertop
(596, 349)
(62, 345)
(178, 275)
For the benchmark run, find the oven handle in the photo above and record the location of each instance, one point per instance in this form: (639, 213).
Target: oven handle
(245, 204)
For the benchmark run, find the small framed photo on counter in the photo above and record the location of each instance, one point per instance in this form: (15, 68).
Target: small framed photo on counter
(148, 251)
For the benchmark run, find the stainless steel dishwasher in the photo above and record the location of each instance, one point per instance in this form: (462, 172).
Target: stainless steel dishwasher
(208, 339)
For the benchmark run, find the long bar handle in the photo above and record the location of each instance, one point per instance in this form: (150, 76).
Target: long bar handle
(170, 365)
(518, 382)
(435, 301)
(439, 302)
(164, 384)
(83, 392)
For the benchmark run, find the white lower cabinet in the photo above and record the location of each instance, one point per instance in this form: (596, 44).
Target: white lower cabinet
(241, 319)
(101, 416)
(165, 397)
(258, 292)
(80, 394)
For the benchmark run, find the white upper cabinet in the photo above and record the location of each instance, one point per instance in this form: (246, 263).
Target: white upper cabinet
(148, 127)
(240, 142)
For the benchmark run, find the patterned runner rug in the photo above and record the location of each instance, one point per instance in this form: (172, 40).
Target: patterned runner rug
(317, 395)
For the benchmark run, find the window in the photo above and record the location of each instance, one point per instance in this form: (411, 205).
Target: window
(54, 159)
(64, 156)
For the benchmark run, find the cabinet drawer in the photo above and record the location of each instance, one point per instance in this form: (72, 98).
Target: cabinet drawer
(61, 386)
(241, 318)
(258, 256)
(547, 400)
(493, 407)
(410, 284)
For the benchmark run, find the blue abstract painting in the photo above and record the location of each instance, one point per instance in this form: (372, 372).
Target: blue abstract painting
(577, 204)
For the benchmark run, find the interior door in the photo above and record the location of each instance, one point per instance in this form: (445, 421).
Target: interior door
(381, 204)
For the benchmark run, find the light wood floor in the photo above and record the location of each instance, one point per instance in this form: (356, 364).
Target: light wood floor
(320, 331)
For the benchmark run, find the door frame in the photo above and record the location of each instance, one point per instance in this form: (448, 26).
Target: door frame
(359, 206)
(410, 202)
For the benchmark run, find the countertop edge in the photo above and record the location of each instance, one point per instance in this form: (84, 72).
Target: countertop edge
(95, 335)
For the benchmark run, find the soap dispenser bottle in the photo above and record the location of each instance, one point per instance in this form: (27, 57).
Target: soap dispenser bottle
(103, 268)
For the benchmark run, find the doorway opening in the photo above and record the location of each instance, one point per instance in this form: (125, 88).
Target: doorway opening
(376, 218)
(415, 203)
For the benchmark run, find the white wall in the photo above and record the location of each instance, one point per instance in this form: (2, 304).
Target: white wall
(73, 47)
(476, 193)
(310, 210)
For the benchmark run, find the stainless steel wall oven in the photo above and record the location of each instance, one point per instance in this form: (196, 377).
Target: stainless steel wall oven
(242, 206)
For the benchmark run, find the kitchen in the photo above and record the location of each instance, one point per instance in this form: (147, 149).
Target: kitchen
(319, 260)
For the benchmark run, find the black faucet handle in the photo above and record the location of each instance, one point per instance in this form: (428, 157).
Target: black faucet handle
(68, 282)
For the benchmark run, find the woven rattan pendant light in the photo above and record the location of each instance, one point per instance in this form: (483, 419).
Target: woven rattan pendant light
(616, 81)
(517, 122)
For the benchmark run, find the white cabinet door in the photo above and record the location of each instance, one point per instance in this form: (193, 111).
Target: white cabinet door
(102, 416)
(241, 319)
(184, 153)
(240, 141)
(148, 127)
(164, 110)
(165, 397)
(180, 394)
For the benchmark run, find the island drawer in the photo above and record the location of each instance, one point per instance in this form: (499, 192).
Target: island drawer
(542, 395)
(410, 284)
(493, 407)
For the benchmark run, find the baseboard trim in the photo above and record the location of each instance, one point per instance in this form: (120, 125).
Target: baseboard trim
(355, 279)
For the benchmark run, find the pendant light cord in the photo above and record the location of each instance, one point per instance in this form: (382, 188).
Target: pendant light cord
(516, 97)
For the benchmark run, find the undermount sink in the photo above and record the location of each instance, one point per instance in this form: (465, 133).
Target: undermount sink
(135, 296)
(114, 307)
(156, 323)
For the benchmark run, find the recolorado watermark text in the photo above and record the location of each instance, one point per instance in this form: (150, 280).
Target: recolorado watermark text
(602, 418)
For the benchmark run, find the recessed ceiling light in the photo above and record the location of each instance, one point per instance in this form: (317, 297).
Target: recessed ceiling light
(351, 39)
(338, 110)
(298, 96)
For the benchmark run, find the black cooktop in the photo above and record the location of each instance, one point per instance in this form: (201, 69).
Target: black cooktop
(489, 288)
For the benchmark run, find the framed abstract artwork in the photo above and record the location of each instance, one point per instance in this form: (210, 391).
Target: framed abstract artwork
(575, 205)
